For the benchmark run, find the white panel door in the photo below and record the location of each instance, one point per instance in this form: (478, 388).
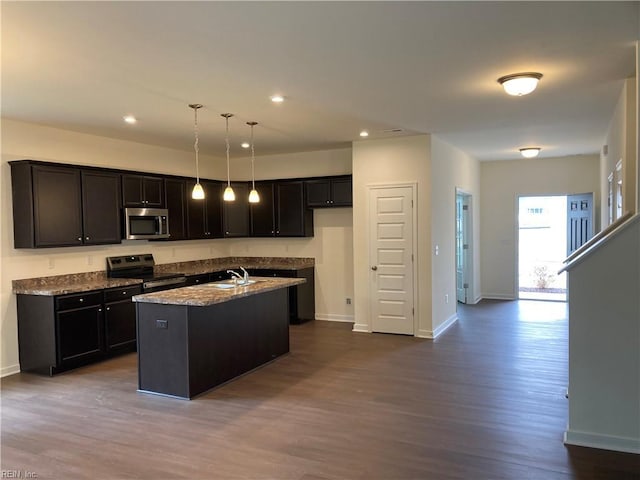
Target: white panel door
(391, 259)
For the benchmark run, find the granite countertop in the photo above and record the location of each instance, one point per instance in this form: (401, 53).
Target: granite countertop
(207, 294)
(210, 265)
(73, 283)
(84, 282)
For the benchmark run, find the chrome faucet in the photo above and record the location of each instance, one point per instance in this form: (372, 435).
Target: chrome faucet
(236, 276)
(246, 275)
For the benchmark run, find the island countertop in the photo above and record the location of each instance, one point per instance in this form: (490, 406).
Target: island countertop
(208, 294)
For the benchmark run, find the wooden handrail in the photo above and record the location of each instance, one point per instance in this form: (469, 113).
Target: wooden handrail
(603, 237)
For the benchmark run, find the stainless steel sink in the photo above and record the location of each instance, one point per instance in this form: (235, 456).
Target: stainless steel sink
(225, 284)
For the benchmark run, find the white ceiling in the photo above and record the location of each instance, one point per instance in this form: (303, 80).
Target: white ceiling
(424, 67)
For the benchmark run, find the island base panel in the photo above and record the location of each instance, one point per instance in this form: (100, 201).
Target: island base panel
(186, 350)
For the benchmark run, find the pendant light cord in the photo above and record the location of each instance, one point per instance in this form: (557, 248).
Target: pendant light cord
(253, 158)
(195, 145)
(227, 144)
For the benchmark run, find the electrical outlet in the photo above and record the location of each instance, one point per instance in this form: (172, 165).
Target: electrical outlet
(348, 301)
(446, 298)
(164, 324)
(89, 260)
(52, 264)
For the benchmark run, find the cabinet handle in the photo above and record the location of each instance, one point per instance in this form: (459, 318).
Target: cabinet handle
(86, 238)
(108, 308)
(374, 268)
(81, 300)
(99, 309)
(79, 239)
(327, 201)
(124, 293)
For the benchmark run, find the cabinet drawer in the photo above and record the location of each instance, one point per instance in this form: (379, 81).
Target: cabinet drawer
(78, 300)
(122, 293)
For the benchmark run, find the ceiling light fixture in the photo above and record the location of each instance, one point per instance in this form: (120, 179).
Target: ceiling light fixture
(519, 84)
(364, 133)
(197, 193)
(277, 98)
(245, 145)
(530, 152)
(229, 195)
(254, 197)
(130, 119)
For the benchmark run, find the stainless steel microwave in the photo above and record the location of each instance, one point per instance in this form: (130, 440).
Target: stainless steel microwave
(146, 223)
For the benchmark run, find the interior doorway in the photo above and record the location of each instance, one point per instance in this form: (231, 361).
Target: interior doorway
(542, 247)
(464, 247)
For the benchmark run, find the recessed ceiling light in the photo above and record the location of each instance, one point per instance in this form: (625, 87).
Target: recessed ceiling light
(130, 119)
(530, 152)
(518, 84)
(277, 98)
(364, 133)
(245, 145)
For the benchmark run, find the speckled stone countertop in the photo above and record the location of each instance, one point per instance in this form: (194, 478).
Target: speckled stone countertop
(72, 283)
(84, 282)
(207, 294)
(209, 265)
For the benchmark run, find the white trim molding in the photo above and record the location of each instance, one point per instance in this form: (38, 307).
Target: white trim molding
(334, 317)
(433, 334)
(10, 370)
(606, 442)
(497, 296)
(361, 327)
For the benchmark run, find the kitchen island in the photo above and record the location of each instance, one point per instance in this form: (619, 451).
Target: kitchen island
(194, 338)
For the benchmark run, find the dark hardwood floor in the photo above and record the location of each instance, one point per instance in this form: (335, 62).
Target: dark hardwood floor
(484, 401)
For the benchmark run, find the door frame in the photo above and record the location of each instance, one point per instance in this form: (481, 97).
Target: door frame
(414, 214)
(471, 298)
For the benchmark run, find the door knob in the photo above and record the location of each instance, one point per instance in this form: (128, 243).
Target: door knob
(374, 268)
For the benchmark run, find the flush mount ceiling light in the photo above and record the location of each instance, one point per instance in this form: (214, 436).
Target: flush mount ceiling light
(245, 145)
(197, 193)
(364, 133)
(530, 152)
(130, 119)
(253, 195)
(229, 195)
(519, 84)
(277, 98)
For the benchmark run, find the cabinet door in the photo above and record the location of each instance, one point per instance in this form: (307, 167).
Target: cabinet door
(120, 325)
(79, 334)
(153, 191)
(101, 207)
(142, 191)
(263, 221)
(293, 219)
(318, 192)
(213, 201)
(176, 202)
(197, 279)
(341, 192)
(196, 213)
(57, 211)
(235, 214)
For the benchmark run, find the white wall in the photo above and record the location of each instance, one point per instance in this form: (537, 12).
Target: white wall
(451, 168)
(383, 162)
(21, 140)
(621, 142)
(501, 182)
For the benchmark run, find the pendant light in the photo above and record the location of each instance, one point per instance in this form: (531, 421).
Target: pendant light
(229, 195)
(254, 197)
(197, 193)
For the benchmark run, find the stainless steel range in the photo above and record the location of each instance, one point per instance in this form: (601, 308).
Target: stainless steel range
(141, 266)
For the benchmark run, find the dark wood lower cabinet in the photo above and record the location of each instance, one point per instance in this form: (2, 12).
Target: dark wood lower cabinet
(57, 333)
(302, 303)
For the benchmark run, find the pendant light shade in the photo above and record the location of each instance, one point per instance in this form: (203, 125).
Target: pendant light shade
(228, 195)
(254, 197)
(519, 84)
(197, 193)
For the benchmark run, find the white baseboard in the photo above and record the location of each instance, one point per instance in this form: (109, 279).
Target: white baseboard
(606, 442)
(433, 334)
(476, 300)
(496, 296)
(10, 370)
(332, 317)
(361, 327)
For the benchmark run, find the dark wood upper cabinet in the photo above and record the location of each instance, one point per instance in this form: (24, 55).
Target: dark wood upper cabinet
(235, 215)
(293, 219)
(329, 192)
(263, 215)
(176, 199)
(142, 191)
(205, 216)
(58, 206)
(101, 207)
